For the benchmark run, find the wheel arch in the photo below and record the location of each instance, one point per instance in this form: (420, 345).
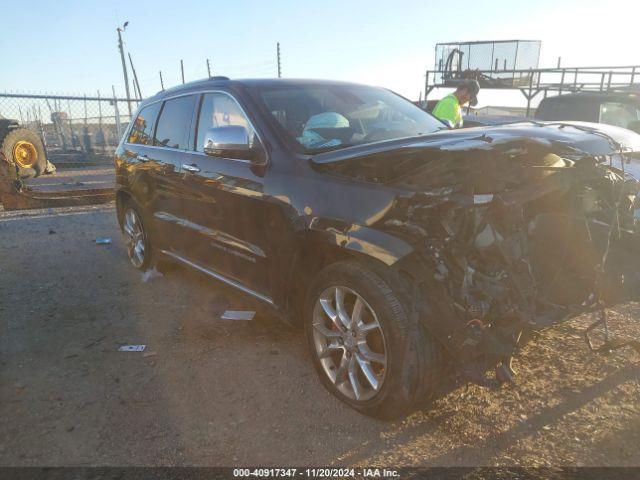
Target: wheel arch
(319, 249)
(122, 197)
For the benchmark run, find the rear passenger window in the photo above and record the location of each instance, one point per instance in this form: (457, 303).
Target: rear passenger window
(175, 123)
(220, 110)
(142, 128)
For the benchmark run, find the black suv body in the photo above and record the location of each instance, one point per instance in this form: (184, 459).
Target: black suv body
(403, 247)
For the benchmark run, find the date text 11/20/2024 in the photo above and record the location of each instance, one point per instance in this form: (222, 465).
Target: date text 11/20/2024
(316, 472)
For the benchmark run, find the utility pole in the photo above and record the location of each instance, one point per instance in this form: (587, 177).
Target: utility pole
(279, 69)
(135, 77)
(182, 70)
(208, 68)
(161, 82)
(124, 65)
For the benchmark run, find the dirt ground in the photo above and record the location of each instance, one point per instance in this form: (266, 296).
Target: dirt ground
(214, 392)
(99, 176)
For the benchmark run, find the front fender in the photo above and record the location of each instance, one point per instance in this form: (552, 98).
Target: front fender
(364, 240)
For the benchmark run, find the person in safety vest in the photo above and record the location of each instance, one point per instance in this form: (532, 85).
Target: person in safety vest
(449, 109)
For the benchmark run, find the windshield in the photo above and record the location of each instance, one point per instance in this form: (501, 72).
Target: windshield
(329, 117)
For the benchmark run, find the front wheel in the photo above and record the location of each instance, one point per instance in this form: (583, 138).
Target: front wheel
(366, 347)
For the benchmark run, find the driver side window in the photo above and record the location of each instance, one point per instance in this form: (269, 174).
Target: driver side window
(220, 110)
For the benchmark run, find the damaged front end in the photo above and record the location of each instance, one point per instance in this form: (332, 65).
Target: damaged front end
(512, 234)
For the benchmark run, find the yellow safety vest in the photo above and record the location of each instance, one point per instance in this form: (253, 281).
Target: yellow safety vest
(448, 109)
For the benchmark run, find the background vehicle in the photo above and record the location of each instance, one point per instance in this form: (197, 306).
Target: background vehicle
(620, 109)
(23, 148)
(402, 246)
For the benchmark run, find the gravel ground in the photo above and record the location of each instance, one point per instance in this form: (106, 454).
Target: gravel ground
(215, 392)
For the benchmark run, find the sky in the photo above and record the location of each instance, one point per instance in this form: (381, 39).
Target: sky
(70, 47)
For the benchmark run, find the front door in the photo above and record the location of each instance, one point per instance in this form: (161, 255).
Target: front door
(224, 203)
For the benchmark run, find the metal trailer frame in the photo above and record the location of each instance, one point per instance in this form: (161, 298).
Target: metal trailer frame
(14, 195)
(534, 81)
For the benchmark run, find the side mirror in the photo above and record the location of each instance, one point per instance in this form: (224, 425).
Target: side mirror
(231, 141)
(635, 126)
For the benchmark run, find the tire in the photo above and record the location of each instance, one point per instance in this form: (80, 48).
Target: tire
(136, 237)
(153, 259)
(32, 160)
(412, 358)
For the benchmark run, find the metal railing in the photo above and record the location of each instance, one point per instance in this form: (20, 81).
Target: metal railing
(533, 81)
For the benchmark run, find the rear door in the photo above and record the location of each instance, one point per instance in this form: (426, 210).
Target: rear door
(225, 211)
(170, 142)
(137, 149)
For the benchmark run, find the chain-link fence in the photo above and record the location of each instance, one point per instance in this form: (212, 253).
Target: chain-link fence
(77, 126)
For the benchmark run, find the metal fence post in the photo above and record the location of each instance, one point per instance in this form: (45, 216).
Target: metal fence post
(426, 88)
(116, 111)
(74, 137)
(86, 136)
(100, 138)
(136, 84)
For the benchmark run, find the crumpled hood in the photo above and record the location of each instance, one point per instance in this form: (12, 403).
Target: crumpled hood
(559, 137)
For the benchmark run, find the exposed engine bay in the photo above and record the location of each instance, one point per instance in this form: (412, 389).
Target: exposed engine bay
(513, 235)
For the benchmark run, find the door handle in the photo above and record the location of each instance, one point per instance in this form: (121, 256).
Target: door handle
(191, 167)
(142, 158)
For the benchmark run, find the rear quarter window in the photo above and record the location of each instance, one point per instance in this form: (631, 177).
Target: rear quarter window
(142, 129)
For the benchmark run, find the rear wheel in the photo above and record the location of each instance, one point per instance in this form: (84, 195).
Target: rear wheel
(25, 149)
(367, 348)
(136, 238)
(138, 242)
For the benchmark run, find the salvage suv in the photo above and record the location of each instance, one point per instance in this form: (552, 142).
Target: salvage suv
(406, 249)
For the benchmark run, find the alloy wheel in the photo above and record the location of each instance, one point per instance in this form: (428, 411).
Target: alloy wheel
(350, 343)
(134, 237)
